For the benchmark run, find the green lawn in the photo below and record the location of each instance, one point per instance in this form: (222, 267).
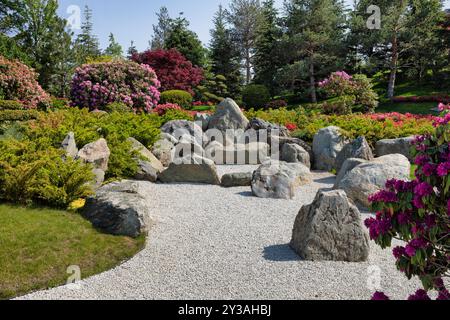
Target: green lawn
(38, 245)
(414, 108)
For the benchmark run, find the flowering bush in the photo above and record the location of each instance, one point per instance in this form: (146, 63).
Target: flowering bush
(18, 82)
(291, 126)
(341, 84)
(276, 104)
(163, 108)
(419, 99)
(418, 213)
(174, 71)
(95, 86)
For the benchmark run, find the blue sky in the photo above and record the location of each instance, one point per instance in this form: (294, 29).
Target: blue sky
(133, 19)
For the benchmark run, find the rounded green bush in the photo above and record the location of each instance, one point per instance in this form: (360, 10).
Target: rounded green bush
(255, 96)
(182, 98)
(11, 105)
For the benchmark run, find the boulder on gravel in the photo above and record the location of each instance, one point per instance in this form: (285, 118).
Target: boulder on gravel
(348, 166)
(278, 179)
(328, 142)
(120, 208)
(395, 146)
(252, 153)
(370, 177)
(240, 179)
(69, 145)
(330, 229)
(96, 153)
(202, 120)
(162, 150)
(359, 149)
(150, 158)
(191, 169)
(228, 116)
(293, 153)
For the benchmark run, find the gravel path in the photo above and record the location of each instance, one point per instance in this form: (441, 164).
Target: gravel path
(214, 243)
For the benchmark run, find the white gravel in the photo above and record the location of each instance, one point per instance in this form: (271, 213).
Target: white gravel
(214, 243)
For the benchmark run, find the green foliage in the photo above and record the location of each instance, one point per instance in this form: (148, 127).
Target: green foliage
(114, 49)
(117, 107)
(30, 173)
(18, 115)
(338, 106)
(86, 44)
(214, 89)
(11, 105)
(182, 98)
(255, 96)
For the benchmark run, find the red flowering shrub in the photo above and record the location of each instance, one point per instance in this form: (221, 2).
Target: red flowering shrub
(418, 213)
(95, 86)
(174, 71)
(291, 126)
(18, 82)
(162, 109)
(420, 99)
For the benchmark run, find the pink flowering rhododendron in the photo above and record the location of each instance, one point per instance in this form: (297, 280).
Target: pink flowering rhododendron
(161, 109)
(18, 82)
(418, 213)
(94, 86)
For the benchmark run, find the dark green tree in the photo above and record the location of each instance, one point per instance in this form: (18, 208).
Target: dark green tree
(114, 49)
(131, 50)
(162, 29)
(267, 60)
(87, 44)
(224, 55)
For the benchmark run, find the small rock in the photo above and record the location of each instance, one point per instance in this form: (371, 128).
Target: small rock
(162, 150)
(395, 146)
(259, 124)
(228, 116)
(150, 158)
(293, 153)
(96, 153)
(69, 145)
(242, 179)
(330, 229)
(146, 172)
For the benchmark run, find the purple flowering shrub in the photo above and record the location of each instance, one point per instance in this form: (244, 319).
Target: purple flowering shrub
(97, 85)
(418, 213)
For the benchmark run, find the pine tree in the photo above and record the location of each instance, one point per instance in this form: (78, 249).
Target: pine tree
(131, 50)
(114, 49)
(266, 59)
(86, 43)
(225, 57)
(161, 30)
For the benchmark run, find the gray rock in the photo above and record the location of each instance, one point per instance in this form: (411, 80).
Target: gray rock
(191, 169)
(169, 137)
(293, 153)
(330, 229)
(328, 142)
(178, 128)
(277, 143)
(120, 208)
(162, 150)
(99, 175)
(228, 116)
(370, 177)
(259, 124)
(278, 180)
(96, 153)
(69, 145)
(395, 146)
(359, 148)
(348, 166)
(150, 158)
(242, 179)
(202, 120)
(252, 153)
(146, 172)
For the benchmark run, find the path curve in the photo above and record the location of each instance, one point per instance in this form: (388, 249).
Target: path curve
(214, 243)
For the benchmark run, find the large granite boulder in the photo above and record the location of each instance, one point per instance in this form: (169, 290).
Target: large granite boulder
(348, 166)
(278, 179)
(330, 229)
(69, 145)
(120, 208)
(162, 150)
(228, 116)
(395, 146)
(191, 169)
(96, 153)
(240, 179)
(327, 144)
(178, 128)
(293, 153)
(370, 177)
(202, 120)
(359, 148)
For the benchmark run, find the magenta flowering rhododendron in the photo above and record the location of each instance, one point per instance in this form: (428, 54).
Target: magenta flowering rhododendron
(94, 86)
(337, 84)
(418, 213)
(18, 82)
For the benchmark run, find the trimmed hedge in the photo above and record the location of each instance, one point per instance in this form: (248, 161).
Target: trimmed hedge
(182, 98)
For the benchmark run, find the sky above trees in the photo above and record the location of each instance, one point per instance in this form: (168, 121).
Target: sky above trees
(133, 19)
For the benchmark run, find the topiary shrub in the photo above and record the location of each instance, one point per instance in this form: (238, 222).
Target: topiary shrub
(182, 98)
(418, 213)
(255, 96)
(94, 86)
(18, 82)
(174, 71)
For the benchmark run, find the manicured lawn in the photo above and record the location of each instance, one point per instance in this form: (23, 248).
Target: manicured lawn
(414, 108)
(38, 245)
